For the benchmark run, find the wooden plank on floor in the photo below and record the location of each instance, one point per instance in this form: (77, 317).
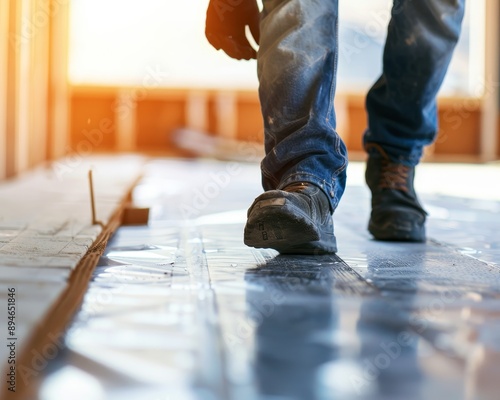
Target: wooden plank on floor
(46, 231)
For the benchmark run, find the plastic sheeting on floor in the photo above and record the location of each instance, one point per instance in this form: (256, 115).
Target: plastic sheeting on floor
(181, 309)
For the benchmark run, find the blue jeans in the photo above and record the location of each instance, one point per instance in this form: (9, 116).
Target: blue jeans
(297, 66)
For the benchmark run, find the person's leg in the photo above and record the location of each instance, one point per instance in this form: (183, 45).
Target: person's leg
(297, 62)
(401, 106)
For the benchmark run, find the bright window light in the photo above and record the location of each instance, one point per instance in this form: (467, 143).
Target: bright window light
(120, 42)
(363, 29)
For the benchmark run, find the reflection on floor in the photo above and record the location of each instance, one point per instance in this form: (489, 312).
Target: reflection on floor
(181, 309)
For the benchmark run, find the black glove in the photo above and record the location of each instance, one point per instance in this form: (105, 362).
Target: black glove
(225, 26)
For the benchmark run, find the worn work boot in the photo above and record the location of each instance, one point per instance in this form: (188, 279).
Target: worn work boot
(396, 212)
(295, 220)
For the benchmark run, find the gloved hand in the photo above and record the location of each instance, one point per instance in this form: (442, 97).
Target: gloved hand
(225, 26)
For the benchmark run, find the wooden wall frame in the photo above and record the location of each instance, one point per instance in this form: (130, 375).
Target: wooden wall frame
(235, 116)
(34, 102)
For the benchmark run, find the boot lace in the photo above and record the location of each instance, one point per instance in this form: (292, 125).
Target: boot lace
(394, 176)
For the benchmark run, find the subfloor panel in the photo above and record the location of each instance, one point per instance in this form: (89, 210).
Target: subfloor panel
(182, 309)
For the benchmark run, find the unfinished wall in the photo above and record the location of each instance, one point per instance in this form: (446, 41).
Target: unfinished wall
(35, 102)
(33, 83)
(148, 121)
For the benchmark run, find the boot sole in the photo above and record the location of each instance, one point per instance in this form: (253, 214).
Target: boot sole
(287, 229)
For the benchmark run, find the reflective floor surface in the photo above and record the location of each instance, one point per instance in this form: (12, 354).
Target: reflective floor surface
(181, 309)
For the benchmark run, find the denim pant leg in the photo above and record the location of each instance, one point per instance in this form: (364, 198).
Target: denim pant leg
(297, 62)
(402, 111)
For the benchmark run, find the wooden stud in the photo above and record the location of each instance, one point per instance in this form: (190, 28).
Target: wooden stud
(490, 103)
(23, 84)
(197, 111)
(125, 121)
(4, 43)
(39, 84)
(226, 115)
(58, 113)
